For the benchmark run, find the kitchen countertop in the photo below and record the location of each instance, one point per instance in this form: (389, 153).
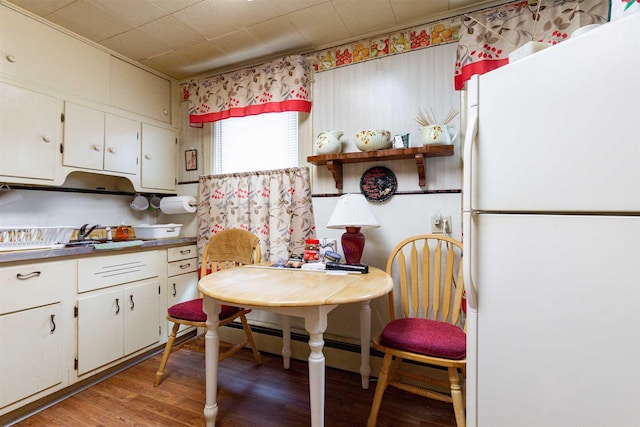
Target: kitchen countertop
(77, 251)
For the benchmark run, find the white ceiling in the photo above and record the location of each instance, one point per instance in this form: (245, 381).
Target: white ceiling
(188, 38)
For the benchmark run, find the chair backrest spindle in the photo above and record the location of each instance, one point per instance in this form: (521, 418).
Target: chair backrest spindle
(428, 272)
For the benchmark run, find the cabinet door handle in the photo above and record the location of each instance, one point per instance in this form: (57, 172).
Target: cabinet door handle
(185, 266)
(185, 251)
(111, 150)
(27, 276)
(165, 112)
(117, 306)
(175, 292)
(11, 58)
(53, 323)
(132, 304)
(147, 156)
(46, 138)
(96, 147)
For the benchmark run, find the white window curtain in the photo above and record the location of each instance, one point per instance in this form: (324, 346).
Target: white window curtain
(274, 205)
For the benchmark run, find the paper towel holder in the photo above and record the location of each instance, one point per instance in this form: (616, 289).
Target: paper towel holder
(178, 205)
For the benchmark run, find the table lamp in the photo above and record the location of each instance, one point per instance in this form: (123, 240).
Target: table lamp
(353, 213)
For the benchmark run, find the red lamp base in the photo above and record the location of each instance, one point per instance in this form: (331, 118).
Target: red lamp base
(352, 245)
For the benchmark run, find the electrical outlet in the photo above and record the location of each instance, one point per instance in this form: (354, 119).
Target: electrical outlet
(438, 222)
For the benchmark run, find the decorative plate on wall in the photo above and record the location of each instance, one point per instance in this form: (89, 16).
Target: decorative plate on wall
(378, 184)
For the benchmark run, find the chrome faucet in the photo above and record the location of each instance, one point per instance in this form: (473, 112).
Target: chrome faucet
(83, 233)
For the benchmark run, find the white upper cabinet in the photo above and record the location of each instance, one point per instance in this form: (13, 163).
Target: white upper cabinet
(139, 91)
(100, 141)
(158, 169)
(46, 72)
(29, 133)
(34, 52)
(83, 137)
(122, 144)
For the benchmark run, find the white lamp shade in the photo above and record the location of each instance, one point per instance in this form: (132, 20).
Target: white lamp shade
(352, 210)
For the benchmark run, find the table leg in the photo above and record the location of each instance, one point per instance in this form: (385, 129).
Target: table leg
(315, 322)
(286, 341)
(212, 350)
(365, 343)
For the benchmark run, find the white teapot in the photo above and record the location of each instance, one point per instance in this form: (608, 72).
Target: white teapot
(329, 142)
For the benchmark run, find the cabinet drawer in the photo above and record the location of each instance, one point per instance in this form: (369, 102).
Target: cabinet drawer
(102, 272)
(182, 266)
(182, 252)
(34, 285)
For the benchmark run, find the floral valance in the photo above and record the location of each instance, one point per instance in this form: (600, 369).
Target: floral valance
(487, 37)
(281, 85)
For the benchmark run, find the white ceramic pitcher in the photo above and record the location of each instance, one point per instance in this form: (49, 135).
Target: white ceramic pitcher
(329, 142)
(438, 134)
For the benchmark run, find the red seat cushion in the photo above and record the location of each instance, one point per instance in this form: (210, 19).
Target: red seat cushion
(424, 336)
(192, 311)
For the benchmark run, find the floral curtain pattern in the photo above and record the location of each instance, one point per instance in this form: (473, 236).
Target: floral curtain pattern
(488, 37)
(274, 205)
(281, 85)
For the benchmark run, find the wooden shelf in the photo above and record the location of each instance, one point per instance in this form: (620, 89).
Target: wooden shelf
(334, 162)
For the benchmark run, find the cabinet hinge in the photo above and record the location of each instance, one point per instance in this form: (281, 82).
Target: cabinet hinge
(61, 117)
(160, 330)
(158, 290)
(61, 148)
(75, 311)
(75, 363)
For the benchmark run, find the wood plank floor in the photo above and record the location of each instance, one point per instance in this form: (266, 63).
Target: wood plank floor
(248, 395)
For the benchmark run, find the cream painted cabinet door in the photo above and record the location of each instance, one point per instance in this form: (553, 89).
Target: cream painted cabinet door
(122, 145)
(116, 322)
(37, 53)
(30, 352)
(139, 91)
(29, 133)
(83, 137)
(181, 288)
(141, 327)
(100, 329)
(158, 169)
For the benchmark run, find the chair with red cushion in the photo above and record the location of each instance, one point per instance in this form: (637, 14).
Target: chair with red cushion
(226, 249)
(430, 326)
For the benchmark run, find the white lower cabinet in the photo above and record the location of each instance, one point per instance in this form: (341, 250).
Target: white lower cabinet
(36, 363)
(117, 322)
(61, 322)
(32, 328)
(117, 309)
(182, 281)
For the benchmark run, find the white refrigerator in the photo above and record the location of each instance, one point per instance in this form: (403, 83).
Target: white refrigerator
(551, 222)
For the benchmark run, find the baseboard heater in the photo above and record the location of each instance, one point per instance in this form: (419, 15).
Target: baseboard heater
(296, 336)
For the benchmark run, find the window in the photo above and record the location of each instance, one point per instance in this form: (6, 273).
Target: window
(262, 142)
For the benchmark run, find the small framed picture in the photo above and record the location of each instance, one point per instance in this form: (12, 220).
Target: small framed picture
(191, 159)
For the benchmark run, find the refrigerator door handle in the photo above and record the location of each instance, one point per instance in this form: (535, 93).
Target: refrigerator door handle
(470, 138)
(469, 285)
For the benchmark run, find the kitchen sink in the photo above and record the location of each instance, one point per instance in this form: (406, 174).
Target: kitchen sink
(84, 242)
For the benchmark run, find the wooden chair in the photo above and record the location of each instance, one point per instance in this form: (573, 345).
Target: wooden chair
(431, 327)
(226, 249)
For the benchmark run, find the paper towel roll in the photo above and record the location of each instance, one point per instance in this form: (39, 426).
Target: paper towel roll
(178, 205)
